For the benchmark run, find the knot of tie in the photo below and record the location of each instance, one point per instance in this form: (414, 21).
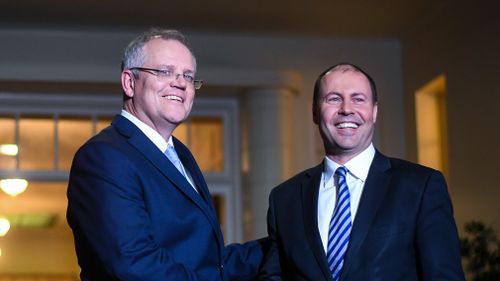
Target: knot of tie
(341, 172)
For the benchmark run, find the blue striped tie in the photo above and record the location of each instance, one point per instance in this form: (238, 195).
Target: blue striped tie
(340, 227)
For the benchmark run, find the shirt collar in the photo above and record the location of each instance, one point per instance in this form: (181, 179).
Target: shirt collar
(150, 133)
(358, 166)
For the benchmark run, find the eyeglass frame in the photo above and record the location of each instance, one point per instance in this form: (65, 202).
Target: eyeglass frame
(166, 73)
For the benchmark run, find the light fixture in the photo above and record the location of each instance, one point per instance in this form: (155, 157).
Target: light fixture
(13, 187)
(9, 149)
(4, 226)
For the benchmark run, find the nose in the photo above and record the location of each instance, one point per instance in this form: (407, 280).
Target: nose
(176, 82)
(345, 108)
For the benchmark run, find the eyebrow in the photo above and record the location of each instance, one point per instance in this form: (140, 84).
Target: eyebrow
(170, 66)
(358, 94)
(332, 93)
(353, 94)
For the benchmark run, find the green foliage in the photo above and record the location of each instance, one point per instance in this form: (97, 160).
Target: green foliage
(481, 251)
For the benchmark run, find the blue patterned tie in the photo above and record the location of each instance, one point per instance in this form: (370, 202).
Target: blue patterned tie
(340, 227)
(172, 156)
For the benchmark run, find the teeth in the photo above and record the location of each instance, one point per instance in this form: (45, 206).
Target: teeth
(176, 98)
(347, 125)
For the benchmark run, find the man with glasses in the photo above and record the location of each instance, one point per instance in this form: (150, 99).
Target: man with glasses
(138, 204)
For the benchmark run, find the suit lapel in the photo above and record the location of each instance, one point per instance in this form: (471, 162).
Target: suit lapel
(310, 190)
(190, 164)
(140, 142)
(374, 192)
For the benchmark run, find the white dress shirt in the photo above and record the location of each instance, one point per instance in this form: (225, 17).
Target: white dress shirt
(156, 138)
(358, 168)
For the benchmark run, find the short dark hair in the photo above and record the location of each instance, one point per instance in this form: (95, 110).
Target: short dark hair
(344, 66)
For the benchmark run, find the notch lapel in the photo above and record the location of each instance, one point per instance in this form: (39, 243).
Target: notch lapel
(310, 191)
(199, 181)
(190, 164)
(141, 143)
(374, 192)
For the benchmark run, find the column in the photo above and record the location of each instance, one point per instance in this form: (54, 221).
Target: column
(269, 113)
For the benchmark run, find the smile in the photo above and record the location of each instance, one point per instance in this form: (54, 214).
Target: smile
(347, 125)
(174, 98)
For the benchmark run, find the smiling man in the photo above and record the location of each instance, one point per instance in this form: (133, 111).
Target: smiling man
(138, 204)
(359, 215)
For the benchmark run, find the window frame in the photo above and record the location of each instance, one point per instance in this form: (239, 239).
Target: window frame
(226, 183)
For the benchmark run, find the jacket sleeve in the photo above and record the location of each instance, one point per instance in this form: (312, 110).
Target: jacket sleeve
(270, 269)
(242, 261)
(437, 240)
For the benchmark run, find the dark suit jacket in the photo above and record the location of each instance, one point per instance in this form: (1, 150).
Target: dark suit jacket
(135, 217)
(403, 230)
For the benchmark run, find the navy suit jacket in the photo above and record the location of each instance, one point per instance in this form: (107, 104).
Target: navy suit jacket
(135, 217)
(403, 230)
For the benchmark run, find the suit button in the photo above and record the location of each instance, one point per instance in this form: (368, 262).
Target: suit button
(222, 267)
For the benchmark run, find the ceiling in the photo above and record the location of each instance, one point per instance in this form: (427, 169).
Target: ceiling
(342, 18)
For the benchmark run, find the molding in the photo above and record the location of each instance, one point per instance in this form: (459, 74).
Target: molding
(212, 76)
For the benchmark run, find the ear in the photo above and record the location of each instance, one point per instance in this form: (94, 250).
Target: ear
(375, 110)
(128, 83)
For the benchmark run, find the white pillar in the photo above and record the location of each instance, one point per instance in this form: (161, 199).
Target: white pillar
(269, 122)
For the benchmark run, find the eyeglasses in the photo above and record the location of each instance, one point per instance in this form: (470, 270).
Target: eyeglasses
(168, 73)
